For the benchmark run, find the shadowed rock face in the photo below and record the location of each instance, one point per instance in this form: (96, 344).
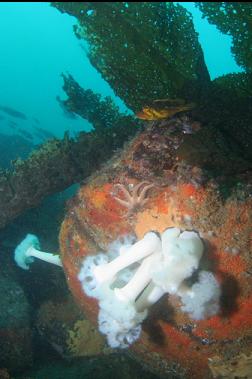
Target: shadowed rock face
(207, 191)
(15, 325)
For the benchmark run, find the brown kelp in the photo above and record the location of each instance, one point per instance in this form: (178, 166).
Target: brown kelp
(234, 19)
(144, 50)
(149, 51)
(228, 108)
(103, 114)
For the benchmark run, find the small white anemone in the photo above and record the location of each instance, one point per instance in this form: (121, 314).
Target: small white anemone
(29, 249)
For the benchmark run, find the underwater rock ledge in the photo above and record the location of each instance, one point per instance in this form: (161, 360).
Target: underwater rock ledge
(57, 165)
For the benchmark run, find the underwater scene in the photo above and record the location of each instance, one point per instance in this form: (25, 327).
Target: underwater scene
(126, 190)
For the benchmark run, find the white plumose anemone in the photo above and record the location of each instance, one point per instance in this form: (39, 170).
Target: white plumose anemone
(29, 249)
(131, 277)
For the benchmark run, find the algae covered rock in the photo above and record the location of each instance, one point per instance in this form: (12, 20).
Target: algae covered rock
(188, 196)
(15, 326)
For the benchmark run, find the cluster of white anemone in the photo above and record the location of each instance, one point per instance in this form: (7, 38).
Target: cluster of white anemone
(131, 277)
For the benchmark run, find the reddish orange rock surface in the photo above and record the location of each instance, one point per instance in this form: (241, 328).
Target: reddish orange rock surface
(183, 196)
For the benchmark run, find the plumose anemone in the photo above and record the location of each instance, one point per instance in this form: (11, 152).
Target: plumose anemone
(131, 277)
